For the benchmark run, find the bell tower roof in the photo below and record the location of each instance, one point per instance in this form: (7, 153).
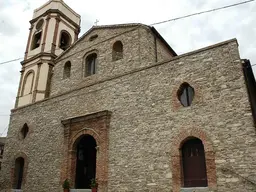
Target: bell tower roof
(56, 6)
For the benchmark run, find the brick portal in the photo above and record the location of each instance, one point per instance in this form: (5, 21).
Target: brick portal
(177, 180)
(97, 126)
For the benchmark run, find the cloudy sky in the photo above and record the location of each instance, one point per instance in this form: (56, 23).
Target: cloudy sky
(183, 35)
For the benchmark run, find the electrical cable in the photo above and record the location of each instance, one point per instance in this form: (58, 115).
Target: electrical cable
(169, 20)
(202, 12)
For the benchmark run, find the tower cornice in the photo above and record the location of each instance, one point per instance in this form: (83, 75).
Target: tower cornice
(48, 12)
(40, 55)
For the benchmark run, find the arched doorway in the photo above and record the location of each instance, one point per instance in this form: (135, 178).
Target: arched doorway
(18, 173)
(194, 164)
(85, 162)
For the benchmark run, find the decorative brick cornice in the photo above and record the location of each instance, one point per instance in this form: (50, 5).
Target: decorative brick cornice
(85, 117)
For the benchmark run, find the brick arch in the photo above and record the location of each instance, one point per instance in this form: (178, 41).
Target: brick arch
(176, 155)
(96, 125)
(185, 134)
(80, 134)
(26, 162)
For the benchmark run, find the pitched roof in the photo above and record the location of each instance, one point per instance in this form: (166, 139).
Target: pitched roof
(155, 32)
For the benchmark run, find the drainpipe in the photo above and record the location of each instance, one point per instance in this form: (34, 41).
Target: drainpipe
(155, 42)
(250, 85)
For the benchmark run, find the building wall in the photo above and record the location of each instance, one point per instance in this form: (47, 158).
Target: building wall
(105, 66)
(151, 48)
(138, 52)
(146, 122)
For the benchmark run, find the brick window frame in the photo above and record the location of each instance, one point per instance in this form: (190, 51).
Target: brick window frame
(25, 169)
(176, 158)
(175, 102)
(97, 126)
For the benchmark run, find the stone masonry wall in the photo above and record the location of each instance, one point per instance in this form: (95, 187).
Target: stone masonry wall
(150, 47)
(145, 123)
(138, 51)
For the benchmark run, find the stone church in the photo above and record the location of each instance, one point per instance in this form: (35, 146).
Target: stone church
(119, 105)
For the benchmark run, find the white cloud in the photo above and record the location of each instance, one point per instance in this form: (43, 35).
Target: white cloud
(183, 35)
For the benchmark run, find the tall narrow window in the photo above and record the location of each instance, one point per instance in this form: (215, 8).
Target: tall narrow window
(117, 52)
(24, 130)
(91, 61)
(186, 94)
(67, 70)
(65, 40)
(28, 83)
(36, 40)
(18, 173)
(194, 166)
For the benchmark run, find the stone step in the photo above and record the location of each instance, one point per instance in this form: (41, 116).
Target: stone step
(195, 189)
(80, 190)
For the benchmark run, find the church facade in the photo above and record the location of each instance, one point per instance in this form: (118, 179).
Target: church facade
(120, 106)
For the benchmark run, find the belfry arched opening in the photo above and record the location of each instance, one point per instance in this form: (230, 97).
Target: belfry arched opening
(85, 162)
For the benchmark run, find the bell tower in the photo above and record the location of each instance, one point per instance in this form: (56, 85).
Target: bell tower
(54, 27)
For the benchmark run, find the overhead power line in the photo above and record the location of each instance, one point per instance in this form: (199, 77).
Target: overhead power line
(4, 130)
(11, 61)
(169, 20)
(202, 12)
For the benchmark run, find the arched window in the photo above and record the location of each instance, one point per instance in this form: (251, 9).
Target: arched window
(36, 40)
(28, 83)
(67, 70)
(18, 173)
(24, 131)
(117, 52)
(65, 40)
(186, 94)
(90, 62)
(194, 165)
